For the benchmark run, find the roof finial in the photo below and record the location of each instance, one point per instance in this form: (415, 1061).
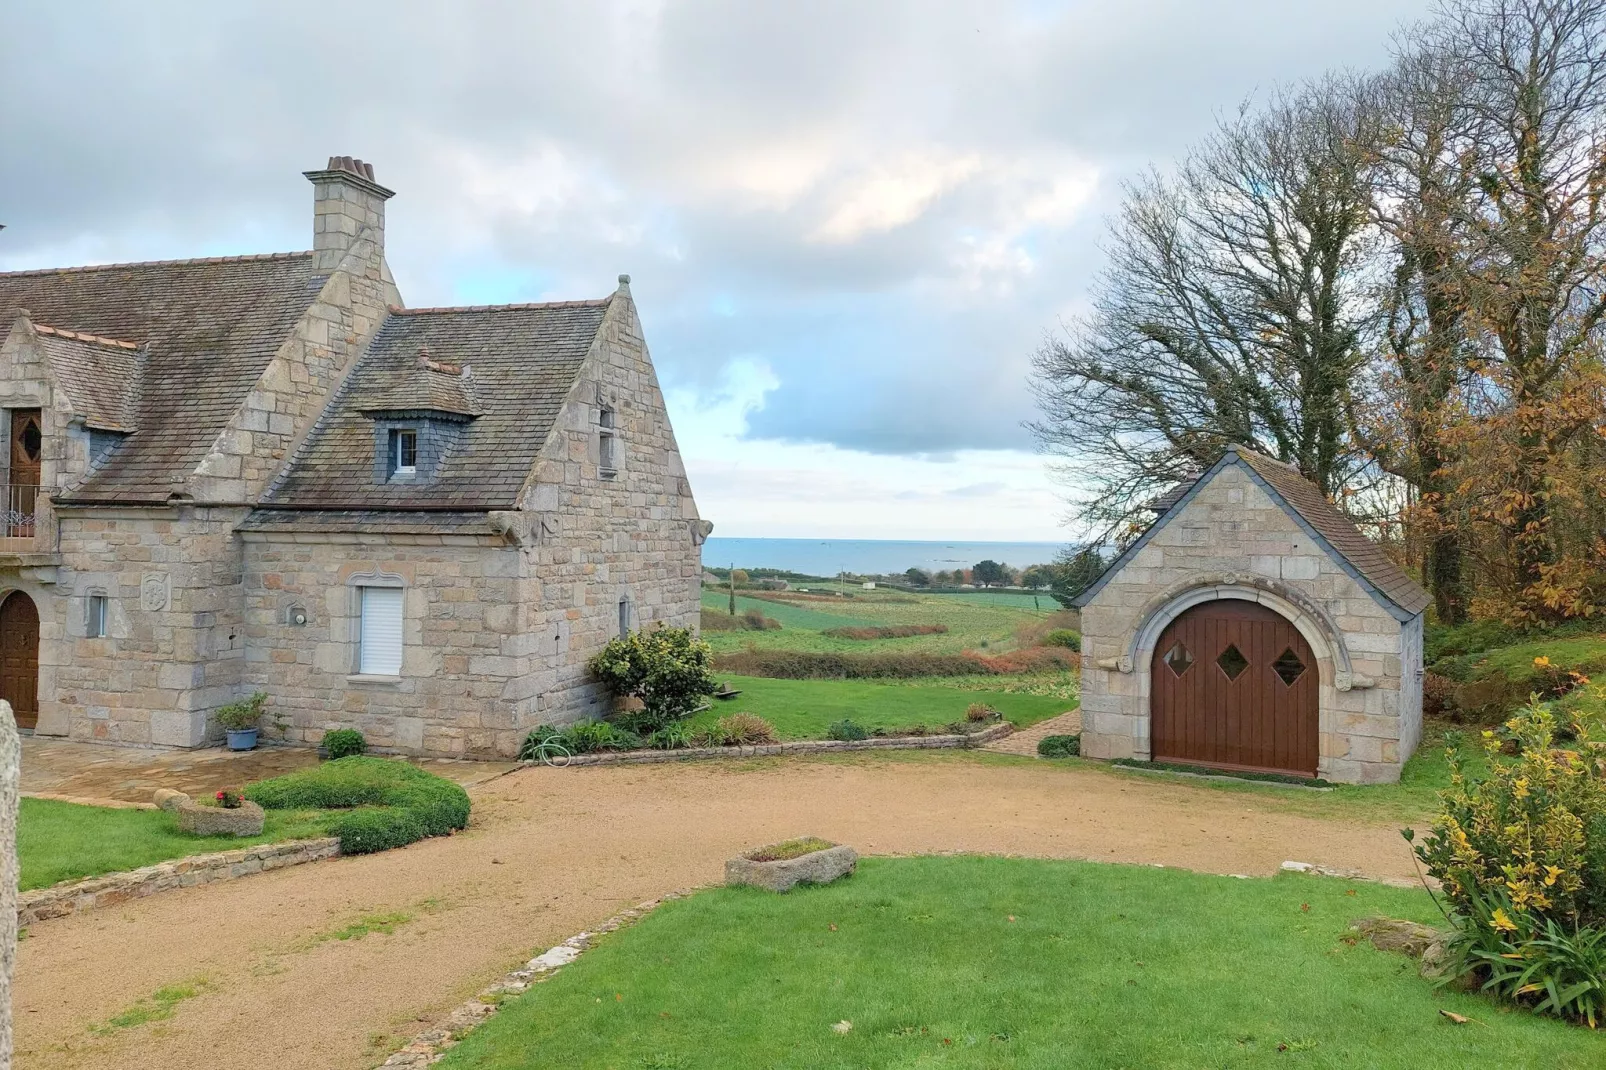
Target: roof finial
(624, 283)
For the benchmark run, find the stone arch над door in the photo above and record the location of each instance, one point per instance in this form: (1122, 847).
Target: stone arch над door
(19, 657)
(1233, 684)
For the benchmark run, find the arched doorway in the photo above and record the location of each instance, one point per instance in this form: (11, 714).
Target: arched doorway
(1233, 684)
(19, 657)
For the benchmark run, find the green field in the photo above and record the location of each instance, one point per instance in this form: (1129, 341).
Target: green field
(58, 841)
(804, 709)
(1009, 963)
(973, 622)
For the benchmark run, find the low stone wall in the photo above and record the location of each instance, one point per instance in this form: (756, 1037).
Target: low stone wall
(59, 900)
(813, 746)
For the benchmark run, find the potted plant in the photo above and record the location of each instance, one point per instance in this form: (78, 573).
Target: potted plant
(240, 718)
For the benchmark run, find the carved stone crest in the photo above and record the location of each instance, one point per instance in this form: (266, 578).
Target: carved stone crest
(153, 592)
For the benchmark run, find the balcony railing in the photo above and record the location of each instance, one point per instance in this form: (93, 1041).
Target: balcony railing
(21, 508)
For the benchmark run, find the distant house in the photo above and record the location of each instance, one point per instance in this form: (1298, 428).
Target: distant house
(1254, 627)
(262, 472)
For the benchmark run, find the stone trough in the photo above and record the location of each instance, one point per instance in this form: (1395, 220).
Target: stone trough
(244, 820)
(780, 875)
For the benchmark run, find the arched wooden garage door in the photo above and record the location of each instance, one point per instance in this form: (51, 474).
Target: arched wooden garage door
(19, 657)
(1233, 684)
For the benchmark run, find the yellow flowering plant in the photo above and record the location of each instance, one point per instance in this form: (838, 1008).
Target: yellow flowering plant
(1521, 855)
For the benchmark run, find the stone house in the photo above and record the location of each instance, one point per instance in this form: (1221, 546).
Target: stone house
(1254, 627)
(263, 472)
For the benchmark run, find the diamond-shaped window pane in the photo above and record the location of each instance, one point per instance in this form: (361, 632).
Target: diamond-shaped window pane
(1178, 659)
(1288, 666)
(1232, 662)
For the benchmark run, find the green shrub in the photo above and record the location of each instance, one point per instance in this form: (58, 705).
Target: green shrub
(981, 713)
(243, 713)
(666, 668)
(343, 743)
(1521, 856)
(1068, 638)
(846, 730)
(1060, 746)
(1438, 696)
(391, 803)
(670, 737)
(582, 737)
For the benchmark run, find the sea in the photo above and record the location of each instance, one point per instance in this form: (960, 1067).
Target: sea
(870, 557)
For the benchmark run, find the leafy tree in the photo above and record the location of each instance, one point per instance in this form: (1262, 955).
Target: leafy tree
(918, 577)
(1075, 573)
(739, 577)
(1037, 576)
(990, 573)
(668, 669)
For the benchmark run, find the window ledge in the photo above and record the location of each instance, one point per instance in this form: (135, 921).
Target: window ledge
(608, 473)
(374, 679)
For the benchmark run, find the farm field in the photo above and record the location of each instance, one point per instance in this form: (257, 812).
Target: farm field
(988, 627)
(804, 709)
(993, 962)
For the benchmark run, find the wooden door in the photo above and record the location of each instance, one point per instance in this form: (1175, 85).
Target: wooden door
(19, 657)
(1234, 685)
(27, 441)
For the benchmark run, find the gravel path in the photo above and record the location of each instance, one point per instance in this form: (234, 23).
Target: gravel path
(552, 851)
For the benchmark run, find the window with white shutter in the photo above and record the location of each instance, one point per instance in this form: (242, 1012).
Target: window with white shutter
(380, 652)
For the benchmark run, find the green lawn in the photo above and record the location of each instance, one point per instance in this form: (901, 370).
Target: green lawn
(802, 709)
(1011, 963)
(58, 841)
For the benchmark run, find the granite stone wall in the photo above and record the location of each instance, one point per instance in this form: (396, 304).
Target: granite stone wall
(1233, 540)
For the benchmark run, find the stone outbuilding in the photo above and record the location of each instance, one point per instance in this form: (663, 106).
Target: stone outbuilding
(263, 472)
(1254, 627)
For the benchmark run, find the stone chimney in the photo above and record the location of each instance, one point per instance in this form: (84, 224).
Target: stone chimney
(345, 201)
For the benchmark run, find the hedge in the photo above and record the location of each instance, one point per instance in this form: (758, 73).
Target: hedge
(390, 803)
(830, 665)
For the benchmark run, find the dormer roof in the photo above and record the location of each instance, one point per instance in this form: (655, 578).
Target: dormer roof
(425, 385)
(99, 375)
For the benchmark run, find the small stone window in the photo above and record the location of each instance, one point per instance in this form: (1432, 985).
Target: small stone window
(95, 618)
(404, 451)
(624, 617)
(607, 444)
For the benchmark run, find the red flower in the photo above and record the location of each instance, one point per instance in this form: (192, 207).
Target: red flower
(220, 795)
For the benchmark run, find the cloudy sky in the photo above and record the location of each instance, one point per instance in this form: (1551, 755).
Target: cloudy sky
(849, 224)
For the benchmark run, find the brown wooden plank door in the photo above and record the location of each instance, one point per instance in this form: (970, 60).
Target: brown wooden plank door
(19, 657)
(1233, 684)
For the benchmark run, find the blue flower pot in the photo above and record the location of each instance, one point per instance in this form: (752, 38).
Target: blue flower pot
(242, 738)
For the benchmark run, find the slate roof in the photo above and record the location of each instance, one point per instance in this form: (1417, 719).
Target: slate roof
(366, 521)
(1340, 532)
(208, 328)
(522, 361)
(1320, 518)
(100, 376)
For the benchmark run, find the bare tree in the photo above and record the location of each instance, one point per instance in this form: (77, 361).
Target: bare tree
(1230, 312)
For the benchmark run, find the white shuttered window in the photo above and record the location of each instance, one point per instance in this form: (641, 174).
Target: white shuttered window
(381, 650)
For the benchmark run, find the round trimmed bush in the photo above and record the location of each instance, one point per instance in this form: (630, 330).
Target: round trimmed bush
(343, 743)
(1068, 638)
(1059, 746)
(391, 803)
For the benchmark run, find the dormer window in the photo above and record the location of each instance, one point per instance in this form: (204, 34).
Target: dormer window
(404, 451)
(607, 444)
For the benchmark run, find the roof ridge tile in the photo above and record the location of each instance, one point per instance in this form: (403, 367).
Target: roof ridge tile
(242, 258)
(80, 336)
(525, 306)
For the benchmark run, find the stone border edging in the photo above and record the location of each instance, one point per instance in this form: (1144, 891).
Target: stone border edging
(1346, 874)
(108, 889)
(808, 746)
(428, 1046)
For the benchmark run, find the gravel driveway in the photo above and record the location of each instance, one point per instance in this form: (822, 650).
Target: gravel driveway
(552, 851)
